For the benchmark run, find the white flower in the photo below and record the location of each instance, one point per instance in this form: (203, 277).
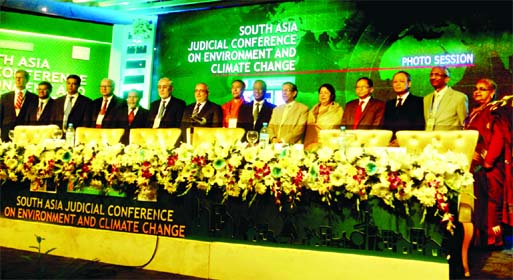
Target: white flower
(235, 160)
(425, 195)
(266, 154)
(260, 188)
(325, 153)
(11, 163)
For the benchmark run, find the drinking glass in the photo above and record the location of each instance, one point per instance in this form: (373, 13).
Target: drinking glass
(57, 134)
(252, 137)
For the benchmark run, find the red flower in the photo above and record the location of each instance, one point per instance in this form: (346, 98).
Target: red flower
(171, 160)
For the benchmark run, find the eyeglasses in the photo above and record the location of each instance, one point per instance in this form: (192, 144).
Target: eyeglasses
(437, 75)
(482, 89)
(105, 86)
(364, 87)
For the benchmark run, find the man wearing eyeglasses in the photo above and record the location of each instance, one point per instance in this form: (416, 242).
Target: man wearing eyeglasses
(365, 112)
(405, 111)
(445, 108)
(288, 121)
(106, 107)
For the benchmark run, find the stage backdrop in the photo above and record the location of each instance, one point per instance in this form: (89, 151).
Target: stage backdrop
(316, 42)
(52, 48)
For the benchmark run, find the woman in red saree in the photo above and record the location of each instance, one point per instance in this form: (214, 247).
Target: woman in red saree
(488, 165)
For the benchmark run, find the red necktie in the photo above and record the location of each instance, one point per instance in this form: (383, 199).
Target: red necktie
(104, 107)
(19, 100)
(357, 115)
(131, 116)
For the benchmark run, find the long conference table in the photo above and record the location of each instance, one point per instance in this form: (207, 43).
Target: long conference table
(382, 203)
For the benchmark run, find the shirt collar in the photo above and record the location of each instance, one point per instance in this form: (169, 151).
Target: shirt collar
(442, 91)
(365, 100)
(404, 96)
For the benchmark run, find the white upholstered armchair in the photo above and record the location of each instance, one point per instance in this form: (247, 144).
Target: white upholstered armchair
(459, 141)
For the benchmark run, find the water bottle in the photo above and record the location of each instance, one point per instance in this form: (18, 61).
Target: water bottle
(342, 138)
(70, 135)
(263, 138)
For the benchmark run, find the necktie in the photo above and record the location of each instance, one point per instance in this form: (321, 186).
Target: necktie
(104, 106)
(162, 109)
(39, 110)
(399, 102)
(67, 110)
(357, 115)
(256, 110)
(131, 116)
(19, 100)
(196, 109)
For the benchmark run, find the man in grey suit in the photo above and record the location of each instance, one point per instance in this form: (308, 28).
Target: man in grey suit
(288, 121)
(445, 108)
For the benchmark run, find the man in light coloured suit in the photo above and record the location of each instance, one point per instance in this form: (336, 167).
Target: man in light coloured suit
(445, 108)
(288, 121)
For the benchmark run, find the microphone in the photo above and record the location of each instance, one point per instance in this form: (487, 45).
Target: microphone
(199, 120)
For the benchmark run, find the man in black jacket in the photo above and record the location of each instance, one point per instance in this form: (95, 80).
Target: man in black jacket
(259, 108)
(106, 107)
(406, 111)
(16, 107)
(73, 107)
(166, 112)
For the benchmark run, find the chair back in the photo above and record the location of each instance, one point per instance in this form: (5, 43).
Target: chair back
(33, 134)
(109, 136)
(216, 135)
(355, 138)
(147, 137)
(457, 141)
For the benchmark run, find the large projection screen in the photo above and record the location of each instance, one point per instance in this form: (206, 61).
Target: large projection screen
(52, 48)
(316, 42)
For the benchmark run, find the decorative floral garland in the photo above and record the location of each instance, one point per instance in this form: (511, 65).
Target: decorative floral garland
(241, 171)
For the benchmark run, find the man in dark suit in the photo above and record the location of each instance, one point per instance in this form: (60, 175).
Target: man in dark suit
(132, 115)
(17, 106)
(106, 107)
(44, 106)
(73, 107)
(259, 107)
(406, 112)
(365, 112)
(202, 113)
(166, 112)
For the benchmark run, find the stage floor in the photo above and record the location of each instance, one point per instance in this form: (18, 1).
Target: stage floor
(211, 260)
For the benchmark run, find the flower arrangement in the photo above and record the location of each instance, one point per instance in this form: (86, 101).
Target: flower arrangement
(246, 172)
